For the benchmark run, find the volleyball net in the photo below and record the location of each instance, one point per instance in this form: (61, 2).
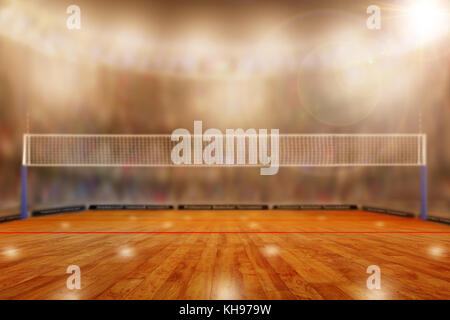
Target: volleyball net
(293, 150)
(287, 150)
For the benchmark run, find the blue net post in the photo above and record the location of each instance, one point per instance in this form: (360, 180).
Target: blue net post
(23, 192)
(423, 192)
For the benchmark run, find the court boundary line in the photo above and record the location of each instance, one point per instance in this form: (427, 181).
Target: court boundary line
(224, 232)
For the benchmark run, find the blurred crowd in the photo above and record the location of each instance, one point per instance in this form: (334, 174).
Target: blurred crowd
(41, 94)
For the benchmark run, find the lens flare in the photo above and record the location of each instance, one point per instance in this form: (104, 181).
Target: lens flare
(427, 20)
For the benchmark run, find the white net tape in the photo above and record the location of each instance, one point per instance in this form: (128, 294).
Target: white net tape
(298, 150)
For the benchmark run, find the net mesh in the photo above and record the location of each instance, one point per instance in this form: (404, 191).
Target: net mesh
(294, 150)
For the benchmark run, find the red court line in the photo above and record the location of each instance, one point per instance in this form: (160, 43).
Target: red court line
(224, 232)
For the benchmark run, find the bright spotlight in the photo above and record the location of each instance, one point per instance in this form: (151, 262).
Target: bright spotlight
(427, 20)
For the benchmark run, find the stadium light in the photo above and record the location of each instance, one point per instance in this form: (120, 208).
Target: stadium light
(427, 20)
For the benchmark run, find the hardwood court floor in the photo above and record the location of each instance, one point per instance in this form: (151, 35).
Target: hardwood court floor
(225, 265)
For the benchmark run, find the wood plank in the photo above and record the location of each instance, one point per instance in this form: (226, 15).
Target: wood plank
(225, 265)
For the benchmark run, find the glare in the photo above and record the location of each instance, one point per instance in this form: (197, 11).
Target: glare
(10, 252)
(68, 296)
(436, 251)
(226, 290)
(427, 20)
(167, 224)
(253, 225)
(126, 252)
(271, 250)
(381, 294)
(65, 225)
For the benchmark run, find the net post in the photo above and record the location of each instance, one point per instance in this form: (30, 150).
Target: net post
(423, 192)
(24, 182)
(423, 180)
(23, 193)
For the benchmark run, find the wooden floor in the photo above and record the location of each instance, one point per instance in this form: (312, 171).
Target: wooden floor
(319, 265)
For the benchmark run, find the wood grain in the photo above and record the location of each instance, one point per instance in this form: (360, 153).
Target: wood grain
(225, 265)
